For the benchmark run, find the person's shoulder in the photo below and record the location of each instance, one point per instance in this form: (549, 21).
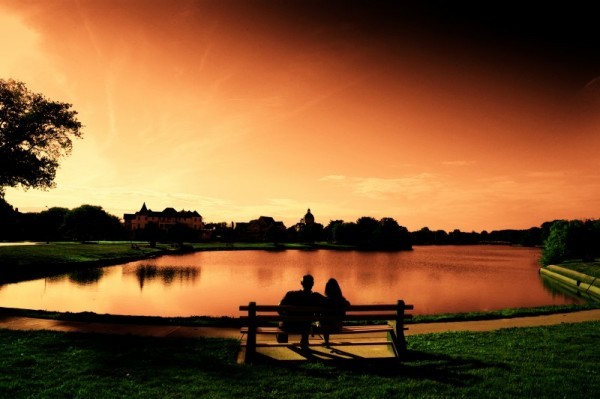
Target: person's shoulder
(318, 298)
(291, 296)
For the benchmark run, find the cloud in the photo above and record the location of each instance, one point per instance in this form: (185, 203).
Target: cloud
(333, 178)
(16, 52)
(458, 163)
(386, 188)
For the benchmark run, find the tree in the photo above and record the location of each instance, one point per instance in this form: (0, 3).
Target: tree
(35, 133)
(89, 222)
(574, 239)
(391, 236)
(8, 221)
(48, 224)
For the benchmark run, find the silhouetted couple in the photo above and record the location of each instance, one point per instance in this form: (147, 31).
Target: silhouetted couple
(329, 322)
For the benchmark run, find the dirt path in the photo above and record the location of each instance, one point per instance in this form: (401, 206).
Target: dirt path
(488, 325)
(28, 323)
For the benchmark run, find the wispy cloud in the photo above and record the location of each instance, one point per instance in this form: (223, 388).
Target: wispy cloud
(458, 163)
(385, 188)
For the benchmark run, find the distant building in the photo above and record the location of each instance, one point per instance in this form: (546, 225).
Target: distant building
(308, 218)
(265, 228)
(165, 220)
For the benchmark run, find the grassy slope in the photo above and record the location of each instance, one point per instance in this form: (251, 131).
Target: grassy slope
(589, 268)
(69, 253)
(557, 361)
(18, 263)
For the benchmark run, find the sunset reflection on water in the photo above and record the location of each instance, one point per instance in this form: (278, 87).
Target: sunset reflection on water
(434, 279)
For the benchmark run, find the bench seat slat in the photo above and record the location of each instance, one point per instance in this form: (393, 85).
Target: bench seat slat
(351, 308)
(344, 330)
(270, 344)
(348, 317)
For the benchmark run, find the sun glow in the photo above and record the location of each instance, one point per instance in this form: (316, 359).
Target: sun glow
(240, 111)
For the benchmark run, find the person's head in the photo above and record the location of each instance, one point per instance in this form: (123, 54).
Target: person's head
(332, 289)
(307, 282)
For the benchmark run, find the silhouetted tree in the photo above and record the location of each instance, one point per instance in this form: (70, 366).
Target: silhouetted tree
(180, 233)
(390, 235)
(34, 134)
(8, 221)
(366, 229)
(275, 234)
(49, 224)
(311, 233)
(328, 231)
(151, 233)
(573, 239)
(89, 222)
(346, 233)
(423, 237)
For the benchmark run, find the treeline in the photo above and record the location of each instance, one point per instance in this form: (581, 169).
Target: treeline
(369, 233)
(561, 239)
(366, 233)
(572, 240)
(532, 237)
(84, 223)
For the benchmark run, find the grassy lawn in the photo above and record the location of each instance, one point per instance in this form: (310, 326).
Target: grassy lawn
(589, 268)
(36, 261)
(71, 252)
(25, 262)
(557, 361)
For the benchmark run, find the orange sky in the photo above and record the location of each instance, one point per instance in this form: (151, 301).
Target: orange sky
(436, 117)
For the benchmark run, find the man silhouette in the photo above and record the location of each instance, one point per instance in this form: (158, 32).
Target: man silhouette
(304, 297)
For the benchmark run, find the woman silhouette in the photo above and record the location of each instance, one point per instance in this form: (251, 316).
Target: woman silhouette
(335, 301)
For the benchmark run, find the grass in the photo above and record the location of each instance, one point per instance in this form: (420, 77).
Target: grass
(503, 313)
(589, 268)
(556, 361)
(234, 322)
(19, 263)
(71, 252)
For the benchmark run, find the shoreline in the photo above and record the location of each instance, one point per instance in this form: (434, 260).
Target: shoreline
(24, 266)
(229, 321)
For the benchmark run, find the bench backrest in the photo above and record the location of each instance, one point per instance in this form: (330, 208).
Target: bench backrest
(270, 313)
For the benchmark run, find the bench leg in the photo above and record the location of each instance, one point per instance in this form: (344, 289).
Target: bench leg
(251, 340)
(395, 344)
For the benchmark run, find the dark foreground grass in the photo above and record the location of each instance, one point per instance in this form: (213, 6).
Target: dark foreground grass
(557, 361)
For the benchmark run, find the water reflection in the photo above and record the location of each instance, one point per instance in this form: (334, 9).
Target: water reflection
(166, 274)
(86, 276)
(558, 288)
(434, 279)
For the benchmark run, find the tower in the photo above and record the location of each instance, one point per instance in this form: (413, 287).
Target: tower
(309, 218)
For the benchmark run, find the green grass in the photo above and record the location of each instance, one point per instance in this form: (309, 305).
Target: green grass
(504, 313)
(556, 361)
(26, 262)
(65, 253)
(234, 322)
(589, 268)
(36, 261)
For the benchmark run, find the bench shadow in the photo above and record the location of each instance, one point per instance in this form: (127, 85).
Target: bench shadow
(418, 365)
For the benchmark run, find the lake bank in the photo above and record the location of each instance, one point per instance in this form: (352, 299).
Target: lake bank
(29, 261)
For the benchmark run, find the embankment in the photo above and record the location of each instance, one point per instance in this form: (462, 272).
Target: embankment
(576, 282)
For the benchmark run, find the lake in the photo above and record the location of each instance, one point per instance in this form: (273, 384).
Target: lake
(436, 279)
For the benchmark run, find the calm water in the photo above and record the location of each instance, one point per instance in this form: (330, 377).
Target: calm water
(434, 279)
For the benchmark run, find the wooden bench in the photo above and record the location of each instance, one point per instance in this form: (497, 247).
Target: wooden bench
(264, 319)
